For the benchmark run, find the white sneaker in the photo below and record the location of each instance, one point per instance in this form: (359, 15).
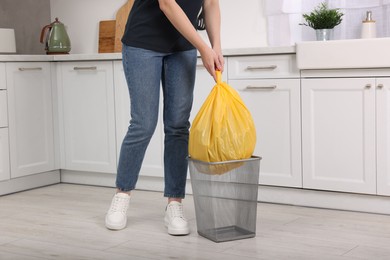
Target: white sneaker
(175, 220)
(116, 217)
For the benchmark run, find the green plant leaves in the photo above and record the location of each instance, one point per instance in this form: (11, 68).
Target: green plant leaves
(323, 18)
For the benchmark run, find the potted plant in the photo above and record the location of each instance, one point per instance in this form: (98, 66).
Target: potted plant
(323, 20)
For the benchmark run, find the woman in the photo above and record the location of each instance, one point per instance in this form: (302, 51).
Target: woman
(160, 44)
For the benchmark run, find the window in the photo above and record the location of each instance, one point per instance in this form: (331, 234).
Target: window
(284, 16)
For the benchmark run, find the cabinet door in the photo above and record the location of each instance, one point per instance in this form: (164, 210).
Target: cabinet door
(383, 135)
(3, 83)
(4, 155)
(30, 118)
(275, 108)
(86, 97)
(3, 109)
(338, 129)
(153, 164)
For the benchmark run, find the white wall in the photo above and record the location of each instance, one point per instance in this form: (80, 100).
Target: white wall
(243, 22)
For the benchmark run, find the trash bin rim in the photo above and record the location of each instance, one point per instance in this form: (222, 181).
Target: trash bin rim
(253, 158)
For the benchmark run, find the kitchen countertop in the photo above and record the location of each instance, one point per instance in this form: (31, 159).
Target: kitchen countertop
(118, 56)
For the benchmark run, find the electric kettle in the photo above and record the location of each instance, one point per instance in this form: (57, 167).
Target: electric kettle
(57, 40)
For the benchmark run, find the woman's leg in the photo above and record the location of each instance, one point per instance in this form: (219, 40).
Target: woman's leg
(178, 81)
(143, 74)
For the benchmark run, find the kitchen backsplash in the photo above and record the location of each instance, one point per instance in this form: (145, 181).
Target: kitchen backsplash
(27, 17)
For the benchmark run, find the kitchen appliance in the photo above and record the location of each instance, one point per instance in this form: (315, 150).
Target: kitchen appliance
(56, 38)
(7, 41)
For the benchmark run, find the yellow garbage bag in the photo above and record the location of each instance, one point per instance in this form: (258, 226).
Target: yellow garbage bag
(223, 129)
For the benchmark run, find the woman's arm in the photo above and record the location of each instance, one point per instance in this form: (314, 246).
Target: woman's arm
(180, 21)
(213, 27)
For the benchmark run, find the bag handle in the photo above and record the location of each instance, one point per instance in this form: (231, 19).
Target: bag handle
(218, 73)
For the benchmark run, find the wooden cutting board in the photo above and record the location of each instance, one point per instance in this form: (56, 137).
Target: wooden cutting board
(121, 19)
(107, 36)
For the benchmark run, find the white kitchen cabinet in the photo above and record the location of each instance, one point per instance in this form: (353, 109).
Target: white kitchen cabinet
(338, 129)
(87, 116)
(383, 135)
(270, 87)
(263, 67)
(30, 118)
(3, 82)
(153, 164)
(4, 146)
(3, 108)
(275, 108)
(4, 155)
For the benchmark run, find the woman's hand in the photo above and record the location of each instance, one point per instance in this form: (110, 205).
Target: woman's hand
(221, 60)
(212, 61)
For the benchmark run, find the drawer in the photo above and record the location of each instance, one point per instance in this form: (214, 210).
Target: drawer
(3, 82)
(263, 66)
(3, 109)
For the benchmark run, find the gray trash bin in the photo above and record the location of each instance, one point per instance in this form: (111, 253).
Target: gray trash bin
(225, 198)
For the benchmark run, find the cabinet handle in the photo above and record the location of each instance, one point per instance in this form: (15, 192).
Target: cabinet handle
(272, 67)
(261, 87)
(85, 68)
(380, 86)
(368, 86)
(34, 68)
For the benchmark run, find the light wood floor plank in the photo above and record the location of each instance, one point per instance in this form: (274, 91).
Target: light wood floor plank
(67, 222)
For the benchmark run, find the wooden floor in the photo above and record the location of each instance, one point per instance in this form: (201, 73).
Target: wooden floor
(67, 222)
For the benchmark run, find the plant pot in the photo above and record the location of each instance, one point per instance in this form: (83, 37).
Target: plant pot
(324, 34)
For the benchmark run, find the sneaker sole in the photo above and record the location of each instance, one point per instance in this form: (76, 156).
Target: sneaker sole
(177, 232)
(115, 227)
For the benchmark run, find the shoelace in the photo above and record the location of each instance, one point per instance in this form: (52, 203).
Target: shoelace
(177, 211)
(119, 205)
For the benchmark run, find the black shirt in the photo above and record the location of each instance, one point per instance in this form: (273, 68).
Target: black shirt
(148, 28)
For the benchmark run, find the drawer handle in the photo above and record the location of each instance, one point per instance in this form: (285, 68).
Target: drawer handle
(34, 68)
(272, 67)
(368, 86)
(85, 68)
(380, 86)
(261, 87)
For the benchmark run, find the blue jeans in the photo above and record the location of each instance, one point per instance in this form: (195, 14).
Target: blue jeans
(144, 70)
